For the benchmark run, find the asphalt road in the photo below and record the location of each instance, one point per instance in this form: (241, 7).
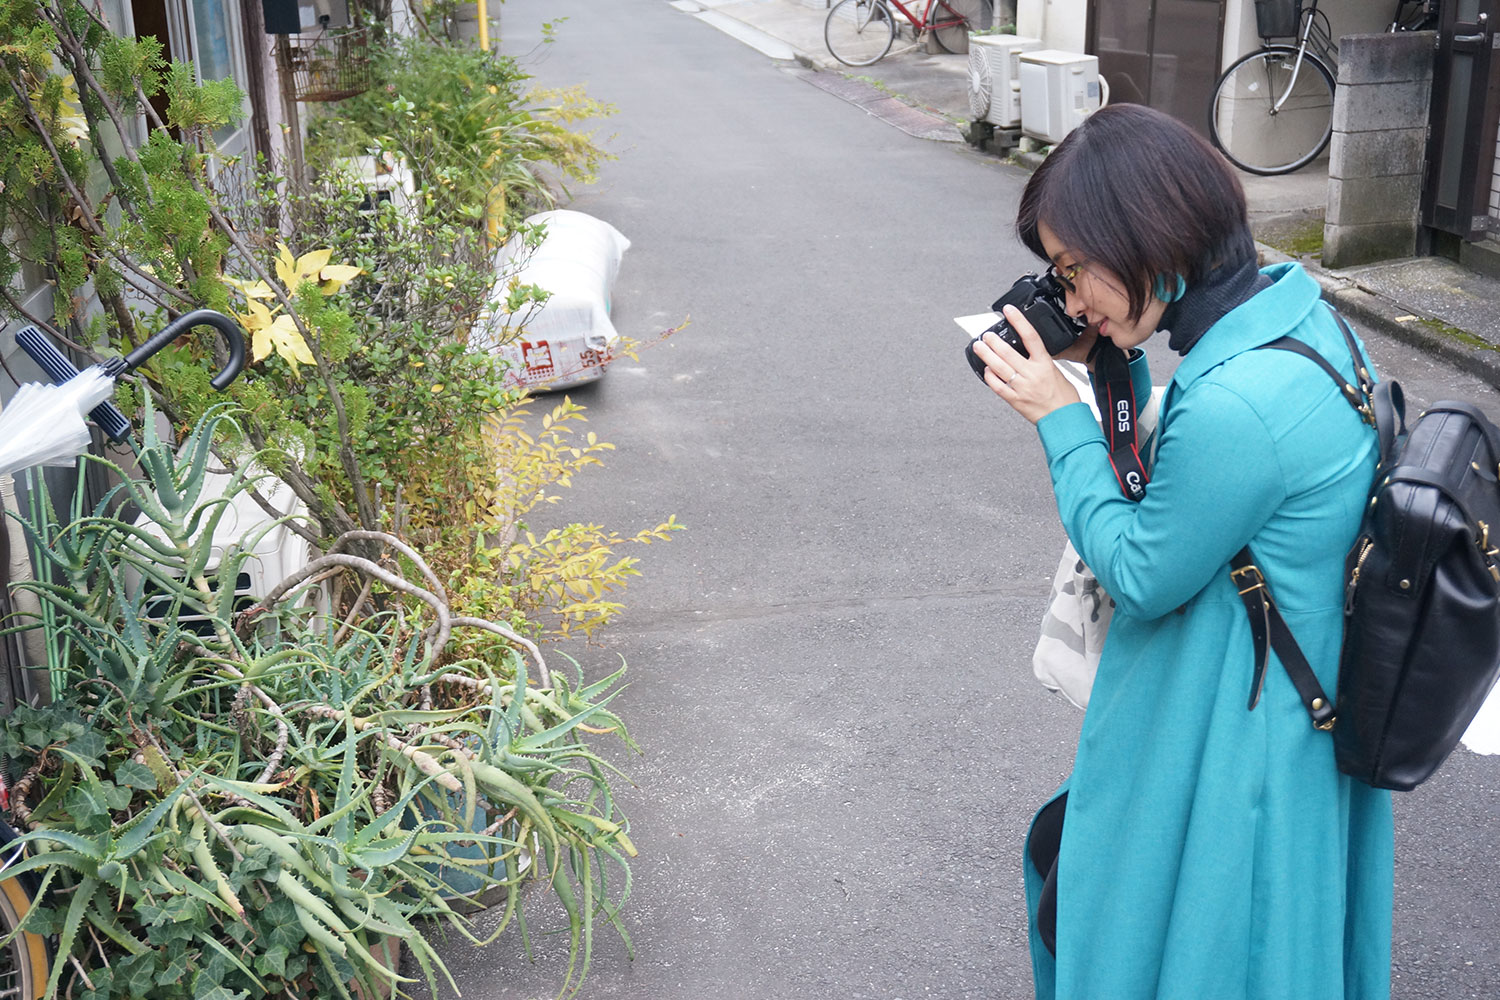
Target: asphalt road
(831, 666)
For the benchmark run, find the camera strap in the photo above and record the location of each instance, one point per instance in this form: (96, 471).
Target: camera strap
(1118, 411)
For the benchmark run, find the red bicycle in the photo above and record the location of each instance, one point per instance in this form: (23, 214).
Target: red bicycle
(860, 32)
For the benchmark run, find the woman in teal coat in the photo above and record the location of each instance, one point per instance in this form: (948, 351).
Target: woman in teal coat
(1200, 850)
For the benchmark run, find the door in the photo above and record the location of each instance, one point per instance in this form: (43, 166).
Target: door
(1161, 53)
(1465, 111)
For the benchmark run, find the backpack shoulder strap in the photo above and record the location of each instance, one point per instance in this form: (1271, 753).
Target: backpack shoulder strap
(1381, 405)
(1268, 630)
(1357, 396)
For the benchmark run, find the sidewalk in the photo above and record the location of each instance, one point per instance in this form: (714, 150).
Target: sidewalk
(1431, 303)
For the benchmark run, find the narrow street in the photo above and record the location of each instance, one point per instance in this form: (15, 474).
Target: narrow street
(831, 679)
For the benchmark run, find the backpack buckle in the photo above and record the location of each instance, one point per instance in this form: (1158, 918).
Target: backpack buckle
(1248, 578)
(1489, 552)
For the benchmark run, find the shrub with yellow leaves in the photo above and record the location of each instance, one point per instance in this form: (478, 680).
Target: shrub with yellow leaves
(271, 328)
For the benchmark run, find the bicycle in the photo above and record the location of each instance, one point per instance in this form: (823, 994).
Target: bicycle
(1272, 110)
(860, 32)
(1424, 15)
(25, 957)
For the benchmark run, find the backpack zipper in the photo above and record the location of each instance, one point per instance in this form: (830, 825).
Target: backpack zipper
(1365, 545)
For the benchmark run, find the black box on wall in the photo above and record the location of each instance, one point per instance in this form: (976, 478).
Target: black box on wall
(282, 17)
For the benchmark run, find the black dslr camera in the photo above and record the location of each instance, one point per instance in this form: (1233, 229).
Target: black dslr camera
(1041, 300)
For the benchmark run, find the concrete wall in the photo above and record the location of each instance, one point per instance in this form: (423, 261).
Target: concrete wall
(1060, 24)
(1379, 143)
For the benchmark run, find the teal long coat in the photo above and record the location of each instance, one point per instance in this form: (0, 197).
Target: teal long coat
(1210, 852)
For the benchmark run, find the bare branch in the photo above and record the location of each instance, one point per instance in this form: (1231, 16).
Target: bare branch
(531, 647)
(424, 762)
(283, 733)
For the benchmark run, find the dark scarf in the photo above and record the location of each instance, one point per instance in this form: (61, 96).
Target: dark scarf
(1233, 279)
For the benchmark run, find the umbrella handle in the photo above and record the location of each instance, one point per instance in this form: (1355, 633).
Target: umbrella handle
(52, 361)
(228, 328)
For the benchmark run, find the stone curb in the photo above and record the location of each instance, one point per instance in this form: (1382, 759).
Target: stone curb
(1414, 327)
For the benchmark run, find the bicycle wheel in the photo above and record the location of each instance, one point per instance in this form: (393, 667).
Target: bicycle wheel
(1256, 135)
(24, 961)
(949, 20)
(859, 32)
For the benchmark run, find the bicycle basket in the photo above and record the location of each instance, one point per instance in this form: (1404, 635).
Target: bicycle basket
(1277, 18)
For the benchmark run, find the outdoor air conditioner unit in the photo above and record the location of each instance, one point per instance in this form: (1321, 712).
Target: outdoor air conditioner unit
(383, 178)
(278, 551)
(995, 78)
(1058, 91)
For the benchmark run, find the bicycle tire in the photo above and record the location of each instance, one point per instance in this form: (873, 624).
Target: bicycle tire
(953, 36)
(25, 961)
(859, 32)
(1258, 139)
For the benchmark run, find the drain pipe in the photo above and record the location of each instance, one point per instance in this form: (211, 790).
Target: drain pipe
(26, 603)
(482, 9)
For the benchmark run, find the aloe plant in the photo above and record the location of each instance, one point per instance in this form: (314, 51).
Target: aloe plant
(253, 805)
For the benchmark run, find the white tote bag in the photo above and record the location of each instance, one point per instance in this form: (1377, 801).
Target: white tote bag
(1079, 610)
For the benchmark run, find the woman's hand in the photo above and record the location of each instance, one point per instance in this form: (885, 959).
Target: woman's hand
(1033, 385)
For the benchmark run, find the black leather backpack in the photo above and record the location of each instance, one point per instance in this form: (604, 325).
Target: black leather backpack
(1421, 647)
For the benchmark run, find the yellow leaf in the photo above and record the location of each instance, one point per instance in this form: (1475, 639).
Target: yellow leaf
(289, 342)
(286, 266)
(260, 343)
(332, 277)
(309, 264)
(438, 387)
(260, 316)
(250, 289)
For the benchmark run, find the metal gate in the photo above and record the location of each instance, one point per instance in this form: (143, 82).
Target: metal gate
(1465, 113)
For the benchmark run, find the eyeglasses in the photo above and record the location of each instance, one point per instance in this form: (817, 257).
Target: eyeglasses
(1067, 276)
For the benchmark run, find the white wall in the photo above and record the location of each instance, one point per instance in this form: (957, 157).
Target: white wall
(1060, 24)
(1345, 17)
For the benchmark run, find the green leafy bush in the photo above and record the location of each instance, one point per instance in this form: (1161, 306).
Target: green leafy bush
(478, 142)
(256, 801)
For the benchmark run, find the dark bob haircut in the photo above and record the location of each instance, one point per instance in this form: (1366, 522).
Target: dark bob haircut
(1138, 193)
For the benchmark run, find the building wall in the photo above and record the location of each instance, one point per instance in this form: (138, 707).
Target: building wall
(1060, 24)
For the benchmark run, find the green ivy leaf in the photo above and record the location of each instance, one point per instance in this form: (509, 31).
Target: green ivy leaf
(132, 774)
(90, 745)
(272, 961)
(181, 909)
(90, 815)
(137, 973)
(288, 934)
(175, 970)
(219, 993)
(116, 797)
(211, 977)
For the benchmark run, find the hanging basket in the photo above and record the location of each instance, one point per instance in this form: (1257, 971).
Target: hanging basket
(329, 67)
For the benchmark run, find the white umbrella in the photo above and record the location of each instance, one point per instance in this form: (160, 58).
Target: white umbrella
(44, 424)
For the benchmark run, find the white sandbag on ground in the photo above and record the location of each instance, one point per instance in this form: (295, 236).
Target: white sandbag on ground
(570, 339)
